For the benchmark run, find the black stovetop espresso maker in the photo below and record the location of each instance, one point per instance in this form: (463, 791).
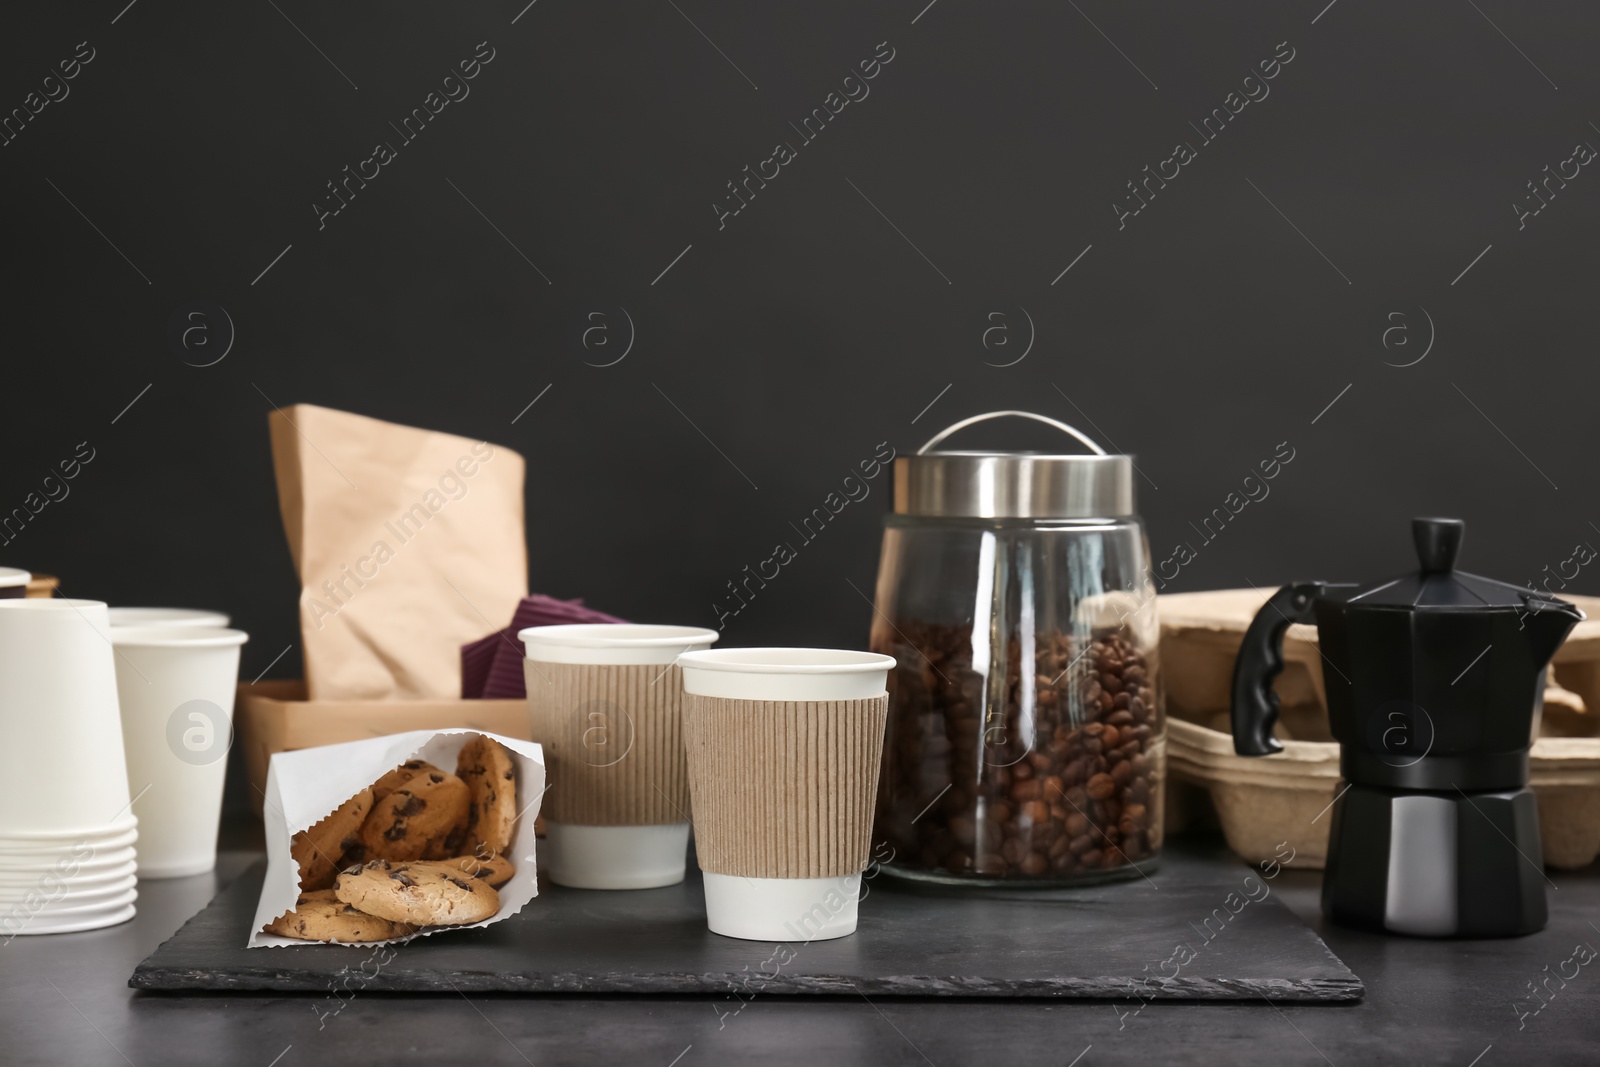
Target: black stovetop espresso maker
(1433, 681)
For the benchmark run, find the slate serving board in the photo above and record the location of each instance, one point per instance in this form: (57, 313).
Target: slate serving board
(911, 942)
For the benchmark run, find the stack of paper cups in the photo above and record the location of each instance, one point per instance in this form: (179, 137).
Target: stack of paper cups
(784, 747)
(66, 831)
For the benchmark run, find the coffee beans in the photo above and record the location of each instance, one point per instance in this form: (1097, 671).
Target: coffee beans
(1049, 773)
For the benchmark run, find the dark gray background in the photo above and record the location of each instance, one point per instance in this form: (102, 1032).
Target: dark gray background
(1200, 336)
(808, 330)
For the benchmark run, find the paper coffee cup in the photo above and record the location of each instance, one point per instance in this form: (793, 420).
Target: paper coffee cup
(110, 837)
(784, 746)
(66, 839)
(35, 923)
(101, 863)
(57, 909)
(57, 894)
(60, 734)
(13, 583)
(176, 686)
(167, 617)
(69, 874)
(606, 702)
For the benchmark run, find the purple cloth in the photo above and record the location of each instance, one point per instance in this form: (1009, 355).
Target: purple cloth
(491, 667)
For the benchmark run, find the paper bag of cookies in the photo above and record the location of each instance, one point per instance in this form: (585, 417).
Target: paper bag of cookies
(398, 837)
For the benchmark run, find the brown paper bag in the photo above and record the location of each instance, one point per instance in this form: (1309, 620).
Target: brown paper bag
(408, 544)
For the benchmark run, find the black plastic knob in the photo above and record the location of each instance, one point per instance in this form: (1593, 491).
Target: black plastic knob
(1438, 542)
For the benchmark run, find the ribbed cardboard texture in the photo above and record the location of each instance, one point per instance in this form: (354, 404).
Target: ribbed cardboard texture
(784, 789)
(613, 742)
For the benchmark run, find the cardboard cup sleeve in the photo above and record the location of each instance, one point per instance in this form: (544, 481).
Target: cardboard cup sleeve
(613, 736)
(784, 789)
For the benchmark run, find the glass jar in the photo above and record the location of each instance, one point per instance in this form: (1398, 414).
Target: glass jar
(1026, 740)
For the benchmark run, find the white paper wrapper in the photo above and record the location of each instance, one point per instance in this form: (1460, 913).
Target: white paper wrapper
(304, 786)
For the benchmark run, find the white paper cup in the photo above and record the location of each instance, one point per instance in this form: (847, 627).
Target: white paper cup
(584, 856)
(603, 642)
(52, 894)
(72, 879)
(54, 838)
(113, 837)
(111, 859)
(15, 913)
(78, 849)
(180, 617)
(60, 735)
(84, 857)
(13, 925)
(176, 686)
(615, 857)
(13, 583)
(84, 909)
(84, 864)
(785, 673)
(56, 887)
(33, 890)
(783, 909)
(61, 891)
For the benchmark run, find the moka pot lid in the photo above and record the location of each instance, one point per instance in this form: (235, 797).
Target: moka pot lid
(1438, 586)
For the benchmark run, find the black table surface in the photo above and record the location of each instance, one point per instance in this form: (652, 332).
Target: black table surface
(65, 999)
(1114, 940)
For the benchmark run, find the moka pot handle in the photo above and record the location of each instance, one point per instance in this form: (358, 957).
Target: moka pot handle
(1255, 705)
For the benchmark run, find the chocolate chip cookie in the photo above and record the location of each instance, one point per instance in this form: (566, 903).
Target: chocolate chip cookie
(399, 777)
(452, 843)
(414, 816)
(422, 892)
(355, 851)
(320, 916)
(495, 870)
(486, 767)
(317, 850)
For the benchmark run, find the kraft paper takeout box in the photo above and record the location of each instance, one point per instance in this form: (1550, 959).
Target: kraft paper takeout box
(303, 787)
(274, 716)
(43, 585)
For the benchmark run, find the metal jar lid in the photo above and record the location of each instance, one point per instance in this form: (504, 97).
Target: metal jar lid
(1013, 485)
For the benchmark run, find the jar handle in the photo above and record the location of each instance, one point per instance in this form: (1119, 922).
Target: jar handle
(964, 423)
